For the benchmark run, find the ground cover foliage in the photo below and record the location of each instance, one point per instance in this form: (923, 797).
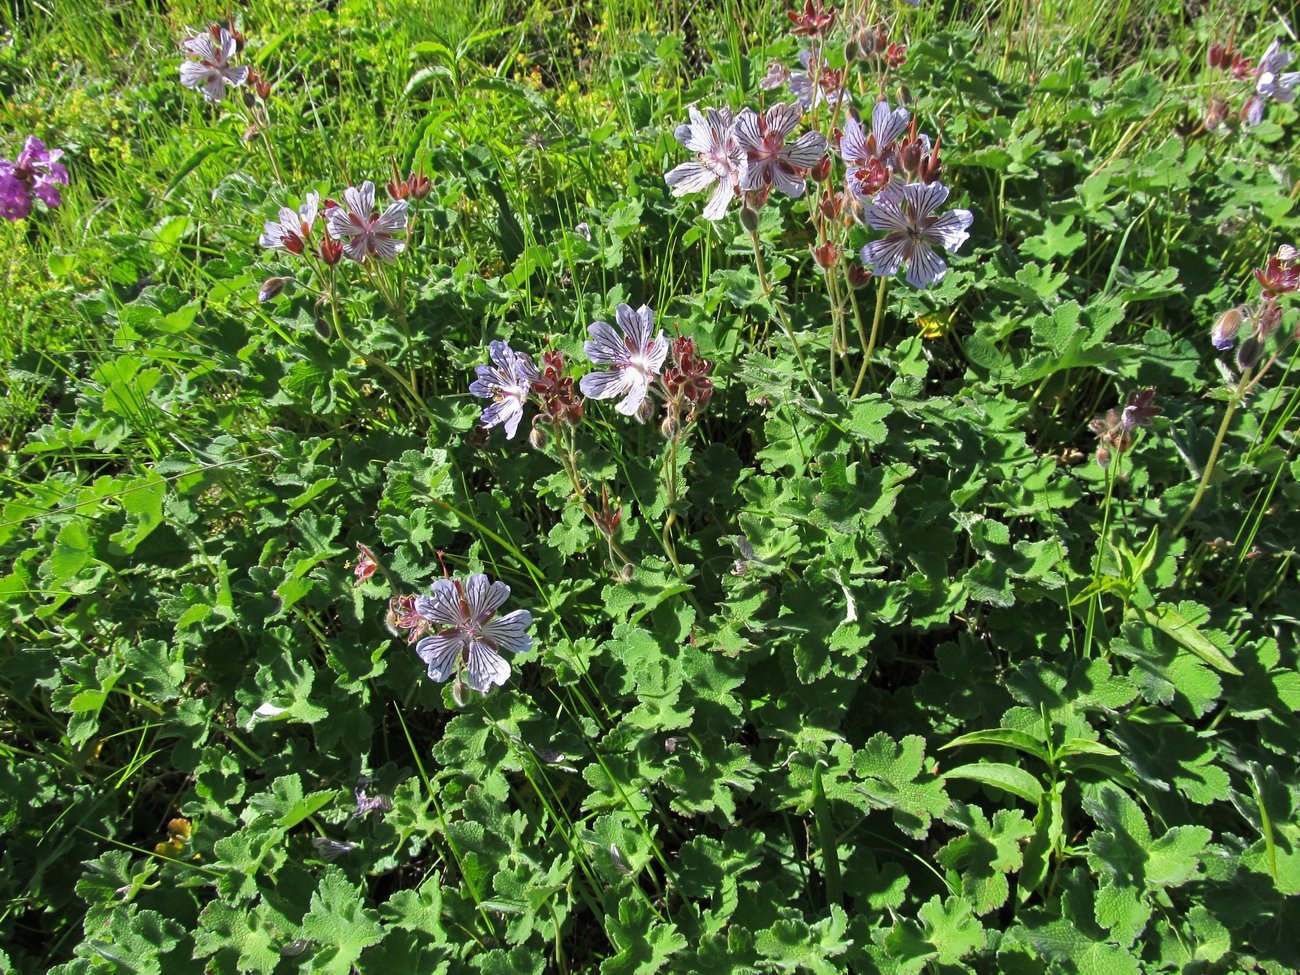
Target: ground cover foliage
(938, 626)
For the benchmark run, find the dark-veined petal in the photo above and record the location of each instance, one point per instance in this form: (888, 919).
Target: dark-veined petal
(719, 199)
(887, 126)
(605, 347)
(484, 597)
(853, 144)
(805, 151)
(486, 668)
(924, 266)
(924, 198)
(636, 329)
(689, 177)
(748, 133)
(884, 255)
(605, 385)
(886, 215)
(949, 229)
(361, 199)
(509, 632)
(442, 605)
(440, 654)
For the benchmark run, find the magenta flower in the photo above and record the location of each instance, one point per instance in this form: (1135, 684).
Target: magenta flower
(712, 137)
(209, 64)
(292, 231)
(634, 356)
(36, 173)
(913, 232)
(364, 231)
(468, 635)
(770, 161)
(507, 383)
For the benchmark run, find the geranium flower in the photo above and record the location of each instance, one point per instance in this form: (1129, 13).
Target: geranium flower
(363, 230)
(829, 82)
(1271, 81)
(721, 160)
(468, 633)
(869, 156)
(913, 232)
(507, 382)
(636, 358)
(35, 173)
(209, 66)
(770, 161)
(293, 230)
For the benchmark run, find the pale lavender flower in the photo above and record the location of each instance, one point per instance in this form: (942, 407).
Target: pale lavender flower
(777, 75)
(209, 64)
(468, 633)
(770, 161)
(364, 231)
(1271, 81)
(293, 230)
(914, 231)
(635, 357)
(36, 172)
(869, 156)
(507, 382)
(721, 160)
(818, 82)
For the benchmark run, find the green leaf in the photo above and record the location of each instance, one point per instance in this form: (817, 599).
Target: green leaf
(952, 928)
(340, 924)
(985, 854)
(1007, 737)
(892, 778)
(643, 942)
(1011, 778)
(792, 945)
(1189, 637)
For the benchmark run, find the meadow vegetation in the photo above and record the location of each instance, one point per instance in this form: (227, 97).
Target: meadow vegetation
(633, 487)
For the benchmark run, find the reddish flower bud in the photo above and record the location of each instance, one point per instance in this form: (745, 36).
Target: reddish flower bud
(1218, 56)
(896, 56)
(821, 169)
(826, 255)
(329, 250)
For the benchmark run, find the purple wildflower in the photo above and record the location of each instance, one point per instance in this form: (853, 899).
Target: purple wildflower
(771, 161)
(818, 82)
(721, 160)
(777, 75)
(1270, 79)
(869, 156)
(913, 232)
(507, 382)
(363, 230)
(468, 633)
(636, 358)
(36, 172)
(293, 230)
(209, 64)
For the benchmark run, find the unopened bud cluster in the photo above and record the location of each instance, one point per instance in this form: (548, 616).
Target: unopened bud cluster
(1115, 430)
(1254, 323)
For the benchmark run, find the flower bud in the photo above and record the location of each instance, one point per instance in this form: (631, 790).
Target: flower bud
(821, 169)
(646, 410)
(749, 218)
(1223, 334)
(826, 255)
(1103, 457)
(270, 288)
(323, 329)
(1216, 57)
(538, 437)
(859, 276)
(1248, 353)
(669, 427)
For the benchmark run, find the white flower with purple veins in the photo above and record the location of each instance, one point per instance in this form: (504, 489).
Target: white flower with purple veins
(292, 231)
(721, 160)
(770, 161)
(364, 231)
(914, 231)
(635, 358)
(869, 156)
(506, 382)
(827, 87)
(209, 66)
(468, 635)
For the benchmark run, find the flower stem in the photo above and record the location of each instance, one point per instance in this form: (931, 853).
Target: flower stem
(1095, 598)
(1238, 395)
(875, 332)
(766, 282)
